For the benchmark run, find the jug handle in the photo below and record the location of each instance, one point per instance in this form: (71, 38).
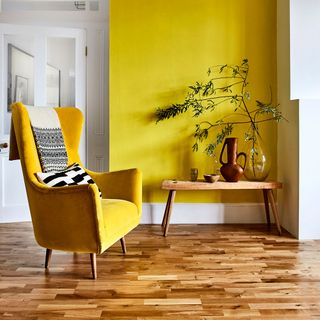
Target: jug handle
(245, 159)
(221, 161)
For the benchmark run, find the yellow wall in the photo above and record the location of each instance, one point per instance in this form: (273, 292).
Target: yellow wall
(160, 47)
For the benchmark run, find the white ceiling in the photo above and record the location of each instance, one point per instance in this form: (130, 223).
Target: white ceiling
(49, 5)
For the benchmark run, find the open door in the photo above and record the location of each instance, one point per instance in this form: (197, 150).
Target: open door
(42, 67)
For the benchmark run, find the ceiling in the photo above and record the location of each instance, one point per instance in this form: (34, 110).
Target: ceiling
(49, 5)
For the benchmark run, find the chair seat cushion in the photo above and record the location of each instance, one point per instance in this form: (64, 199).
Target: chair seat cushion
(120, 217)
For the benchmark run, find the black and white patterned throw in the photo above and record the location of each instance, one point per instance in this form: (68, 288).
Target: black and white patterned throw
(48, 137)
(73, 175)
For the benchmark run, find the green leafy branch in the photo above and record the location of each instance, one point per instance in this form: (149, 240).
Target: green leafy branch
(226, 87)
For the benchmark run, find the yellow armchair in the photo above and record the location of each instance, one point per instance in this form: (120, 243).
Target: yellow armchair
(75, 218)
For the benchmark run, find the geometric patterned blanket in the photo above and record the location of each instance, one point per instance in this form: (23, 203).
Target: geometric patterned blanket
(72, 176)
(48, 137)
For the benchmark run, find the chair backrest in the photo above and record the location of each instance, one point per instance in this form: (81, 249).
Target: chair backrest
(71, 120)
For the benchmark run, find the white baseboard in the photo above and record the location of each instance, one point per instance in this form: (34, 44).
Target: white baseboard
(183, 213)
(205, 213)
(18, 213)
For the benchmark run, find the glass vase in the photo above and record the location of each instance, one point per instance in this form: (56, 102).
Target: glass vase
(258, 159)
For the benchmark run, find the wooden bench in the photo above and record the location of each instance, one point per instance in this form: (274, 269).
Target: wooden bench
(266, 187)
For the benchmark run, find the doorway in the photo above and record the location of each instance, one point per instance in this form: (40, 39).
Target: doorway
(43, 67)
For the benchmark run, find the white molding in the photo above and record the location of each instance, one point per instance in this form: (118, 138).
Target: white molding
(87, 5)
(100, 121)
(41, 0)
(18, 213)
(205, 213)
(100, 163)
(183, 213)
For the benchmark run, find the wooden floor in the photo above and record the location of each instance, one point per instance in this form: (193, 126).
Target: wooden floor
(197, 272)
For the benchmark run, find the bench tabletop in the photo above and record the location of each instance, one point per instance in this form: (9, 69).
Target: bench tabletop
(219, 185)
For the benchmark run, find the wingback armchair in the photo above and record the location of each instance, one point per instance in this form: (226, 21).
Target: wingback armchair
(75, 218)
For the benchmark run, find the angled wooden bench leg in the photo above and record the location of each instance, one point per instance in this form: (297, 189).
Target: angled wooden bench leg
(275, 210)
(164, 219)
(170, 201)
(266, 206)
(166, 211)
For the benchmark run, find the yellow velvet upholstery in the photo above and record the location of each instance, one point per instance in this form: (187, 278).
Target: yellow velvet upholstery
(75, 218)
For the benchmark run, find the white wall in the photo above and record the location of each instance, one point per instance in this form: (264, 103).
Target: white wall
(309, 155)
(305, 84)
(61, 55)
(298, 151)
(22, 42)
(305, 49)
(288, 132)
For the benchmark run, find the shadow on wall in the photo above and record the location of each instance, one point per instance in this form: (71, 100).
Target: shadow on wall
(164, 99)
(175, 163)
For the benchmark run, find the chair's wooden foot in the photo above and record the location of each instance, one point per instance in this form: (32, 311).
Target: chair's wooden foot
(48, 258)
(93, 259)
(123, 245)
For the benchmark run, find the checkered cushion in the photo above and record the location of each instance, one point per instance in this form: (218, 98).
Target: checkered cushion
(73, 175)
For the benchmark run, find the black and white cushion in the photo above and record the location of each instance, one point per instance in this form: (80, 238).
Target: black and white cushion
(73, 175)
(51, 149)
(49, 139)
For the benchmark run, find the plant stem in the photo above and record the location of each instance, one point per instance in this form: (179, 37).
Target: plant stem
(226, 77)
(233, 122)
(229, 86)
(213, 98)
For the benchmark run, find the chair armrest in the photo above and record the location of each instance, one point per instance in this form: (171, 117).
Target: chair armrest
(45, 189)
(123, 184)
(67, 218)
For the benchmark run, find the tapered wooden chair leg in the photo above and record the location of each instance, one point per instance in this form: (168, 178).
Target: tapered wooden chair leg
(48, 258)
(123, 245)
(93, 259)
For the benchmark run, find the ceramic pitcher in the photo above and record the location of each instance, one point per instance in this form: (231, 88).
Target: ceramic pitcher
(231, 170)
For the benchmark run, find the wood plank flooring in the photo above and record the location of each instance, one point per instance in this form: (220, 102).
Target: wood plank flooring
(198, 272)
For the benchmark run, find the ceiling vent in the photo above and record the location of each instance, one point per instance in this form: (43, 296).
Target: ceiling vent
(80, 5)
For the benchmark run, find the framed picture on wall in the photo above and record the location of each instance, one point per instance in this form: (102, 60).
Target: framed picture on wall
(53, 86)
(21, 89)
(20, 76)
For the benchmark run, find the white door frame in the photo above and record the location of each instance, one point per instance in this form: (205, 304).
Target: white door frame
(11, 210)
